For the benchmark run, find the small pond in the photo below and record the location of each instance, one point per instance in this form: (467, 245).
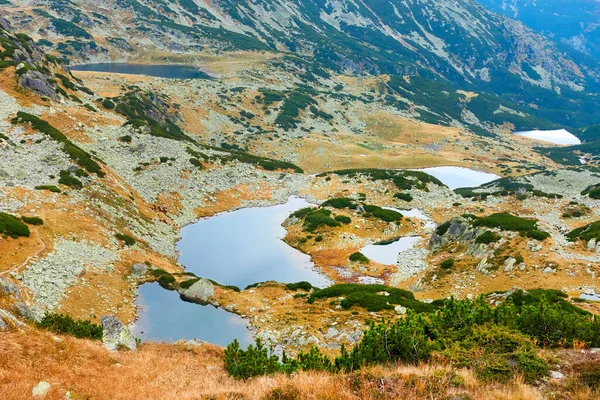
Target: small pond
(172, 71)
(165, 317)
(388, 253)
(244, 247)
(457, 177)
(559, 136)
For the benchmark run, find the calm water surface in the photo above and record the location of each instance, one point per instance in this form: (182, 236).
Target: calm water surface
(244, 247)
(161, 71)
(165, 317)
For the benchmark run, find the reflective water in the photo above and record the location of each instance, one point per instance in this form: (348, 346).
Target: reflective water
(161, 71)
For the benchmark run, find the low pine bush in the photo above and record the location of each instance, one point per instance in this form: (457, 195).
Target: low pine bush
(65, 325)
(13, 226)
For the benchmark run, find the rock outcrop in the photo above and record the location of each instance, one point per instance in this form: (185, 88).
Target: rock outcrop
(116, 335)
(200, 292)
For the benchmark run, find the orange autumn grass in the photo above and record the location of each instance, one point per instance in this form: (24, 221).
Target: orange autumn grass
(162, 371)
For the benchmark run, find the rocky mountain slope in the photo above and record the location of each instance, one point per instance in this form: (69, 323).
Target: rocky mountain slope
(572, 22)
(445, 45)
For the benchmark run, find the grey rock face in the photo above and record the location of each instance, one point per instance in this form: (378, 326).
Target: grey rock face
(138, 270)
(459, 230)
(38, 82)
(5, 24)
(7, 287)
(199, 292)
(115, 334)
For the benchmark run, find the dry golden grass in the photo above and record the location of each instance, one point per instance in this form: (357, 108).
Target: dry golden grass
(160, 371)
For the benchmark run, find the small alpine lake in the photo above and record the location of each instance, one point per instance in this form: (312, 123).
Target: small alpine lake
(165, 317)
(243, 247)
(168, 71)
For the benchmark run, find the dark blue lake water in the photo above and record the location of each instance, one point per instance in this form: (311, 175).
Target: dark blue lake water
(161, 71)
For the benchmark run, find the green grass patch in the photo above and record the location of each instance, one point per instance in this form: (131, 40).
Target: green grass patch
(33, 220)
(50, 188)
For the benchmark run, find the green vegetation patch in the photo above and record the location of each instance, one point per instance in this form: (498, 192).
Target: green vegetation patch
(340, 203)
(371, 297)
(33, 220)
(487, 237)
(302, 285)
(586, 233)
(126, 239)
(509, 222)
(499, 343)
(382, 213)
(77, 154)
(65, 325)
(318, 218)
(13, 226)
(404, 180)
(358, 257)
(50, 188)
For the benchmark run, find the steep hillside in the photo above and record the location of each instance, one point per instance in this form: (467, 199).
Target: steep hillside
(573, 22)
(447, 45)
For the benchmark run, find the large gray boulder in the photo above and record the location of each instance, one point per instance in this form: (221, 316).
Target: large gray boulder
(200, 292)
(116, 335)
(39, 83)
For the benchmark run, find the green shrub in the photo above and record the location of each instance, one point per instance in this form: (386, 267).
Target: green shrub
(509, 222)
(382, 213)
(108, 104)
(68, 180)
(585, 233)
(403, 196)
(359, 257)
(343, 219)
(51, 188)
(318, 218)
(166, 279)
(447, 263)
(12, 226)
(443, 228)
(302, 285)
(125, 139)
(82, 158)
(128, 240)
(340, 203)
(65, 325)
(498, 343)
(303, 212)
(487, 237)
(319, 238)
(32, 220)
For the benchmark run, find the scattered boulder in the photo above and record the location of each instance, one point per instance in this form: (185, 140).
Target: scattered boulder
(138, 270)
(115, 334)
(7, 287)
(41, 389)
(557, 375)
(400, 310)
(195, 342)
(199, 292)
(3, 325)
(39, 83)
